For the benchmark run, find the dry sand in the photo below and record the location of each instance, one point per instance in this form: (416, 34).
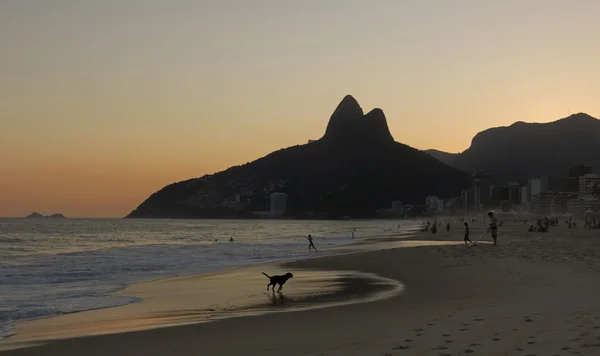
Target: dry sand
(535, 294)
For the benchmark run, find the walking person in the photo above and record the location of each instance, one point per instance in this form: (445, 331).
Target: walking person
(494, 227)
(311, 244)
(467, 233)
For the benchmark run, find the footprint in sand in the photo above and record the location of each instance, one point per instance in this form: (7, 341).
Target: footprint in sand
(527, 320)
(469, 351)
(566, 348)
(474, 345)
(519, 349)
(590, 345)
(418, 330)
(401, 347)
(479, 319)
(532, 342)
(449, 341)
(446, 335)
(441, 348)
(408, 340)
(496, 339)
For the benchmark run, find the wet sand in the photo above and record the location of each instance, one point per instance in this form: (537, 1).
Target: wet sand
(535, 294)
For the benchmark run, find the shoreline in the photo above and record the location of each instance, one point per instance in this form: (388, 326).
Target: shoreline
(6, 326)
(339, 289)
(533, 294)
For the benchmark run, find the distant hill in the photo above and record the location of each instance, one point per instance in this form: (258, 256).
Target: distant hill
(444, 157)
(355, 168)
(524, 150)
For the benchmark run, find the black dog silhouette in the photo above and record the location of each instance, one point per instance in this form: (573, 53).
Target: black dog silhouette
(273, 280)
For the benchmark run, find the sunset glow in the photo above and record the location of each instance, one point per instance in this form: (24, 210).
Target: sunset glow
(104, 102)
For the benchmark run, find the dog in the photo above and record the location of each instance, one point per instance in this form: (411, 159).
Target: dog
(273, 280)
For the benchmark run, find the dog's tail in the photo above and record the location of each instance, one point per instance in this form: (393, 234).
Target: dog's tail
(266, 274)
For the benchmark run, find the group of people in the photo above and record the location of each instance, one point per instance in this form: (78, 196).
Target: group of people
(591, 223)
(492, 229)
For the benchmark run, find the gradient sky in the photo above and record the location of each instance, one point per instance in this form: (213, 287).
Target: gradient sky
(103, 102)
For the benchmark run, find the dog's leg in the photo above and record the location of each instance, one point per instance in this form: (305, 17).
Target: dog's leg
(268, 285)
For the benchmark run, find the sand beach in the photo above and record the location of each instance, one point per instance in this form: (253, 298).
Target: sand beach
(534, 294)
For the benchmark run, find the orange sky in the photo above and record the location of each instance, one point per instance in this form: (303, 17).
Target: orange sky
(102, 103)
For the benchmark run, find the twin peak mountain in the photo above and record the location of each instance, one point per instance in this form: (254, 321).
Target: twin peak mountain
(354, 169)
(349, 124)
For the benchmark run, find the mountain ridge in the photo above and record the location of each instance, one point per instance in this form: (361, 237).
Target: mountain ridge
(525, 150)
(354, 169)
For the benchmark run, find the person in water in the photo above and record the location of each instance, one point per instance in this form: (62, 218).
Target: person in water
(494, 227)
(231, 239)
(467, 233)
(311, 244)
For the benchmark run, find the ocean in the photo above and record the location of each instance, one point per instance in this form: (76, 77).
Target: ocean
(50, 267)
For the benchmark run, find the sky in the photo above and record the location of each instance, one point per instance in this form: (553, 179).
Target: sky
(103, 102)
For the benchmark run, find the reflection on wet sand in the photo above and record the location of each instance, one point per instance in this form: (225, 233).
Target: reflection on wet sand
(209, 297)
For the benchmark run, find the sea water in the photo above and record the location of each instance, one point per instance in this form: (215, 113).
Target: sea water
(50, 266)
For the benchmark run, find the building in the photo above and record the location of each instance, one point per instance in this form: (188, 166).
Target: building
(588, 182)
(481, 190)
(579, 171)
(546, 203)
(465, 200)
(431, 202)
(534, 186)
(278, 204)
(398, 207)
(569, 184)
(514, 194)
(441, 207)
(524, 194)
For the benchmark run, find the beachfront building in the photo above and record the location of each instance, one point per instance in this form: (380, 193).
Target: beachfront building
(524, 194)
(587, 182)
(534, 186)
(465, 200)
(398, 207)
(431, 203)
(278, 204)
(579, 171)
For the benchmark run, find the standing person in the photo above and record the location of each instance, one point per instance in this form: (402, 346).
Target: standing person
(353, 231)
(311, 244)
(494, 227)
(448, 226)
(467, 233)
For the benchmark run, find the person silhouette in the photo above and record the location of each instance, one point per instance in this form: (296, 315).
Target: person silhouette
(311, 244)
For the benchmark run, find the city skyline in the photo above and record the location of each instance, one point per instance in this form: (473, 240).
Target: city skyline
(103, 103)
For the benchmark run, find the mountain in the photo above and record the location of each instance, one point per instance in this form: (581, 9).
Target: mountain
(525, 150)
(444, 157)
(34, 215)
(355, 168)
(58, 216)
